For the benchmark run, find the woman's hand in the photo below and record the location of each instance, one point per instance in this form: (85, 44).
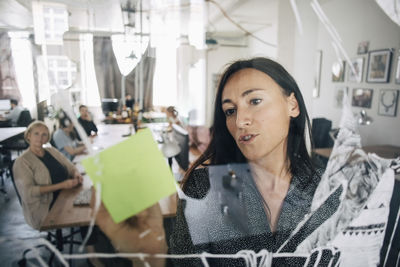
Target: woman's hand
(142, 233)
(78, 176)
(70, 183)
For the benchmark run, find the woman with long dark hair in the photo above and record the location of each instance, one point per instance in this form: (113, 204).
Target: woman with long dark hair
(260, 121)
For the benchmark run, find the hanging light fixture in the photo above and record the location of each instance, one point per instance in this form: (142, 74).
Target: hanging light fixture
(363, 118)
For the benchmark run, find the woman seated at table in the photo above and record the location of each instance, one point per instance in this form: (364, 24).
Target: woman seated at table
(40, 173)
(64, 142)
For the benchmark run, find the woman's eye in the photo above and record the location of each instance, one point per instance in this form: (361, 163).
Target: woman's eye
(255, 101)
(229, 112)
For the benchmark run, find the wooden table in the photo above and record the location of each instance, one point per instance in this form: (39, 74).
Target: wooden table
(64, 214)
(9, 132)
(384, 151)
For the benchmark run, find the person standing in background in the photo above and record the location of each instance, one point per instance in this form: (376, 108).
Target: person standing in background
(86, 121)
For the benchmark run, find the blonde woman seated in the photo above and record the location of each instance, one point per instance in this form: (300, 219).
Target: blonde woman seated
(40, 173)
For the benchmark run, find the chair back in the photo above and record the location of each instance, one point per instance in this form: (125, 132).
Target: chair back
(24, 118)
(13, 181)
(320, 132)
(181, 136)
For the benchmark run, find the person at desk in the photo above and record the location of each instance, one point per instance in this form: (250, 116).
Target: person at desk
(86, 121)
(14, 113)
(64, 142)
(260, 119)
(129, 102)
(40, 173)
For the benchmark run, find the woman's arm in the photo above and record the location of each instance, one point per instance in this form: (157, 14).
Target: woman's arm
(69, 183)
(72, 170)
(75, 150)
(143, 233)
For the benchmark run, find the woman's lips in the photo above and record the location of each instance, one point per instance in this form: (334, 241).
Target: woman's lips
(247, 138)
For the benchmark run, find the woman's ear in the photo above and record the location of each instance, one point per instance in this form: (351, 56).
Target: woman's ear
(293, 106)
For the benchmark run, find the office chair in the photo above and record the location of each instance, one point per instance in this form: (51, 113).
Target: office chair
(320, 132)
(24, 118)
(55, 238)
(181, 136)
(4, 172)
(16, 143)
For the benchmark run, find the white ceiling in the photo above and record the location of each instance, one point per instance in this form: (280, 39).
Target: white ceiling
(252, 15)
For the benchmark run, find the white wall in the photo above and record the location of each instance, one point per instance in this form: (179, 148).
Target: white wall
(357, 21)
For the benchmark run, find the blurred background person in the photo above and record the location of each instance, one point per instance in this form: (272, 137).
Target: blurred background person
(86, 121)
(64, 141)
(14, 113)
(129, 101)
(40, 173)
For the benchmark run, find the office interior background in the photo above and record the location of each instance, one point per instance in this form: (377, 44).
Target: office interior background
(184, 45)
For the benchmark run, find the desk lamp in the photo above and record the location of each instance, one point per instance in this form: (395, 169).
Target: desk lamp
(363, 118)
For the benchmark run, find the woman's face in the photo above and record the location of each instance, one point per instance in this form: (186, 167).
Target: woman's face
(38, 136)
(258, 114)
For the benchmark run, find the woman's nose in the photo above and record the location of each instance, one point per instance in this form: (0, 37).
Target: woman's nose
(243, 118)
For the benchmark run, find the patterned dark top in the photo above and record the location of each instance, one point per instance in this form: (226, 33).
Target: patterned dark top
(295, 205)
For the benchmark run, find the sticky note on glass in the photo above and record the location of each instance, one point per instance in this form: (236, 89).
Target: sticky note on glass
(134, 175)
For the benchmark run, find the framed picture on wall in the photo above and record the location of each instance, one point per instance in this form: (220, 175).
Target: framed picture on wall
(362, 48)
(356, 76)
(388, 102)
(379, 66)
(397, 75)
(338, 71)
(362, 97)
(339, 94)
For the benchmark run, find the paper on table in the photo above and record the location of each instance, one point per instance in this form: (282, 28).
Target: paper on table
(134, 175)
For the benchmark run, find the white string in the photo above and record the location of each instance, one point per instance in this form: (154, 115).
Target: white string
(266, 258)
(38, 257)
(92, 220)
(334, 35)
(204, 259)
(144, 233)
(297, 16)
(41, 241)
(56, 252)
(249, 256)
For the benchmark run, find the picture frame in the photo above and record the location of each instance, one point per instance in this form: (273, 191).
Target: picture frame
(358, 64)
(397, 74)
(362, 97)
(362, 47)
(340, 91)
(388, 100)
(379, 66)
(338, 69)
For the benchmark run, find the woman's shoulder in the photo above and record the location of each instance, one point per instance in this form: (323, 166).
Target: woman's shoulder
(25, 156)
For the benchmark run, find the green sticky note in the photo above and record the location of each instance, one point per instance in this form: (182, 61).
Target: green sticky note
(133, 174)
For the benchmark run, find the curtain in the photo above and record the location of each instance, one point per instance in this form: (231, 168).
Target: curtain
(149, 64)
(8, 83)
(109, 76)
